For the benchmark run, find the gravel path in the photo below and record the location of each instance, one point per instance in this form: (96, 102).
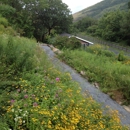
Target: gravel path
(97, 95)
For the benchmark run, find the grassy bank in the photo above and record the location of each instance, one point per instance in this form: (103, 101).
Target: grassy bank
(37, 96)
(111, 72)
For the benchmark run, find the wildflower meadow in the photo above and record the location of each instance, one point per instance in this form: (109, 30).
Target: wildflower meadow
(37, 96)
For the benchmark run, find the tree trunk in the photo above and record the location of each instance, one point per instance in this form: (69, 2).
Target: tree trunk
(42, 38)
(49, 31)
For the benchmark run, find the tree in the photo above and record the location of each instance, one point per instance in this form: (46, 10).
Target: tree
(125, 27)
(128, 5)
(6, 10)
(24, 16)
(109, 26)
(84, 23)
(56, 14)
(38, 17)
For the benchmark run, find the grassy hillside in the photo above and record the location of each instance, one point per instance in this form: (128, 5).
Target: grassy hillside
(99, 9)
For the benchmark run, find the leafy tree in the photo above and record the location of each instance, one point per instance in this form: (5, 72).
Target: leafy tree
(109, 26)
(125, 27)
(24, 16)
(128, 5)
(17, 4)
(38, 17)
(39, 14)
(92, 29)
(56, 14)
(84, 23)
(6, 10)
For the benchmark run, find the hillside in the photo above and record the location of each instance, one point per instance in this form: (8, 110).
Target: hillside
(100, 8)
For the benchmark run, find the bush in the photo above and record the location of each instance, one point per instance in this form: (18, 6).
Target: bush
(122, 57)
(63, 42)
(92, 29)
(4, 28)
(3, 21)
(100, 50)
(60, 42)
(108, 53)
(73, 43)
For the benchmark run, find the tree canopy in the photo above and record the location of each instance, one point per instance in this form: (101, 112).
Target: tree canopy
(112, 26)
(36, 17)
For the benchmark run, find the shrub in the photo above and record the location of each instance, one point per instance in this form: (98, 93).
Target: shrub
(108, 53)
(60, 42)
(63, 42)
(4, 28)
(3, 21)
(122, 57)
(73, 43)
(100, 50)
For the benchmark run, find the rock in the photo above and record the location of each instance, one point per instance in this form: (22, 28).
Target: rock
(57, 51)
(54, 49)
(120, 103)
(51, 46)
(82, 73)
(127, 108)
(96, 85)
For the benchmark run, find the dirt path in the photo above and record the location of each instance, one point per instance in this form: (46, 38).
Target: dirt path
(97, 95)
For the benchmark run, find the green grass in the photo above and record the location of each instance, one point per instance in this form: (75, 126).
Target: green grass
(103, 67)
(37, 96)
(99, 9)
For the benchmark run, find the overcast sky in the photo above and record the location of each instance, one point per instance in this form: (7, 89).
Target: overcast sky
(77, 5)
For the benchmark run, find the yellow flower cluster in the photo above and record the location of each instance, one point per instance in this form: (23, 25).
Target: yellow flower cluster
(59, 106)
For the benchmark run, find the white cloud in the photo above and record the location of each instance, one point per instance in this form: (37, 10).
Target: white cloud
(78, 5)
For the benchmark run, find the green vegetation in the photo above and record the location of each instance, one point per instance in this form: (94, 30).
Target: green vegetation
(112, 26)
(66, 43)
(36, 18)
(99, 9)
(5, 28)
(111, 72)
(35, 95)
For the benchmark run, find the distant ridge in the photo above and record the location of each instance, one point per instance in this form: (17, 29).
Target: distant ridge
(97, 10)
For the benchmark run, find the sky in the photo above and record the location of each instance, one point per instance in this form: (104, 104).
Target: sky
(78, 5)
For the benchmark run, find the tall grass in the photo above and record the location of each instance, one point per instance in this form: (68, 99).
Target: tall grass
(106, 70)
(37, 96)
